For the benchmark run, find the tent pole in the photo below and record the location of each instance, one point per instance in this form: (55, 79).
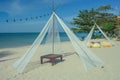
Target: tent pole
(53, 27)
(53, 35)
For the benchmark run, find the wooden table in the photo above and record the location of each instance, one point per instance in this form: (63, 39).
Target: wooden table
(51, 57)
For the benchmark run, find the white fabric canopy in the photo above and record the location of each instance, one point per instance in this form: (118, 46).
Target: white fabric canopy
(87, 39)
(23, 61)
(88, 59)
(113, 43)
(52, 41)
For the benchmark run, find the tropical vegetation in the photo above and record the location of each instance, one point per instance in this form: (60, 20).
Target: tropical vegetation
(103, 16)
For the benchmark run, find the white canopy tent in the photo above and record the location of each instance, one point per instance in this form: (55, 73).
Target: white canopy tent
(87, 57)
(88, 38)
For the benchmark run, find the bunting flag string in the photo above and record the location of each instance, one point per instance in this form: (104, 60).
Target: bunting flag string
(25, 19)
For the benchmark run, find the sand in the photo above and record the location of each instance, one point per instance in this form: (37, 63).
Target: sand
(69, 69)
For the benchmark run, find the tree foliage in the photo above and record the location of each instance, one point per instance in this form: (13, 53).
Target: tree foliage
(106, 20)
(84, 20)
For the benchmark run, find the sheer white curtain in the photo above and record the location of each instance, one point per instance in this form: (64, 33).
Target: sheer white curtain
(88, 38)
(53, 43)
(88, 58)
(113, 43)
(23, 61)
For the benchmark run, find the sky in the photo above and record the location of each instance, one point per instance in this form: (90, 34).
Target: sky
(37, 12)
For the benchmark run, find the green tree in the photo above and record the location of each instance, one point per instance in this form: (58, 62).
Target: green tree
(83, 22)
(117, 29)
(104, 8)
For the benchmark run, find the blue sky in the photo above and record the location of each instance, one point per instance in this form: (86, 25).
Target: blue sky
(22, 9)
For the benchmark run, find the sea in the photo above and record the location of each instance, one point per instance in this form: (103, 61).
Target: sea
(10, 40)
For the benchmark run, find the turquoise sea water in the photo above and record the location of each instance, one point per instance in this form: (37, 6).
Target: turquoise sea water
(8, 40)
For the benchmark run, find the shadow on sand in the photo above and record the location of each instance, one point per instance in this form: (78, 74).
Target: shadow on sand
(5, 54)
(33, 65)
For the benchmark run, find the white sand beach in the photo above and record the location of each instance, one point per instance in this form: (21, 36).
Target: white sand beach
(69, 69)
